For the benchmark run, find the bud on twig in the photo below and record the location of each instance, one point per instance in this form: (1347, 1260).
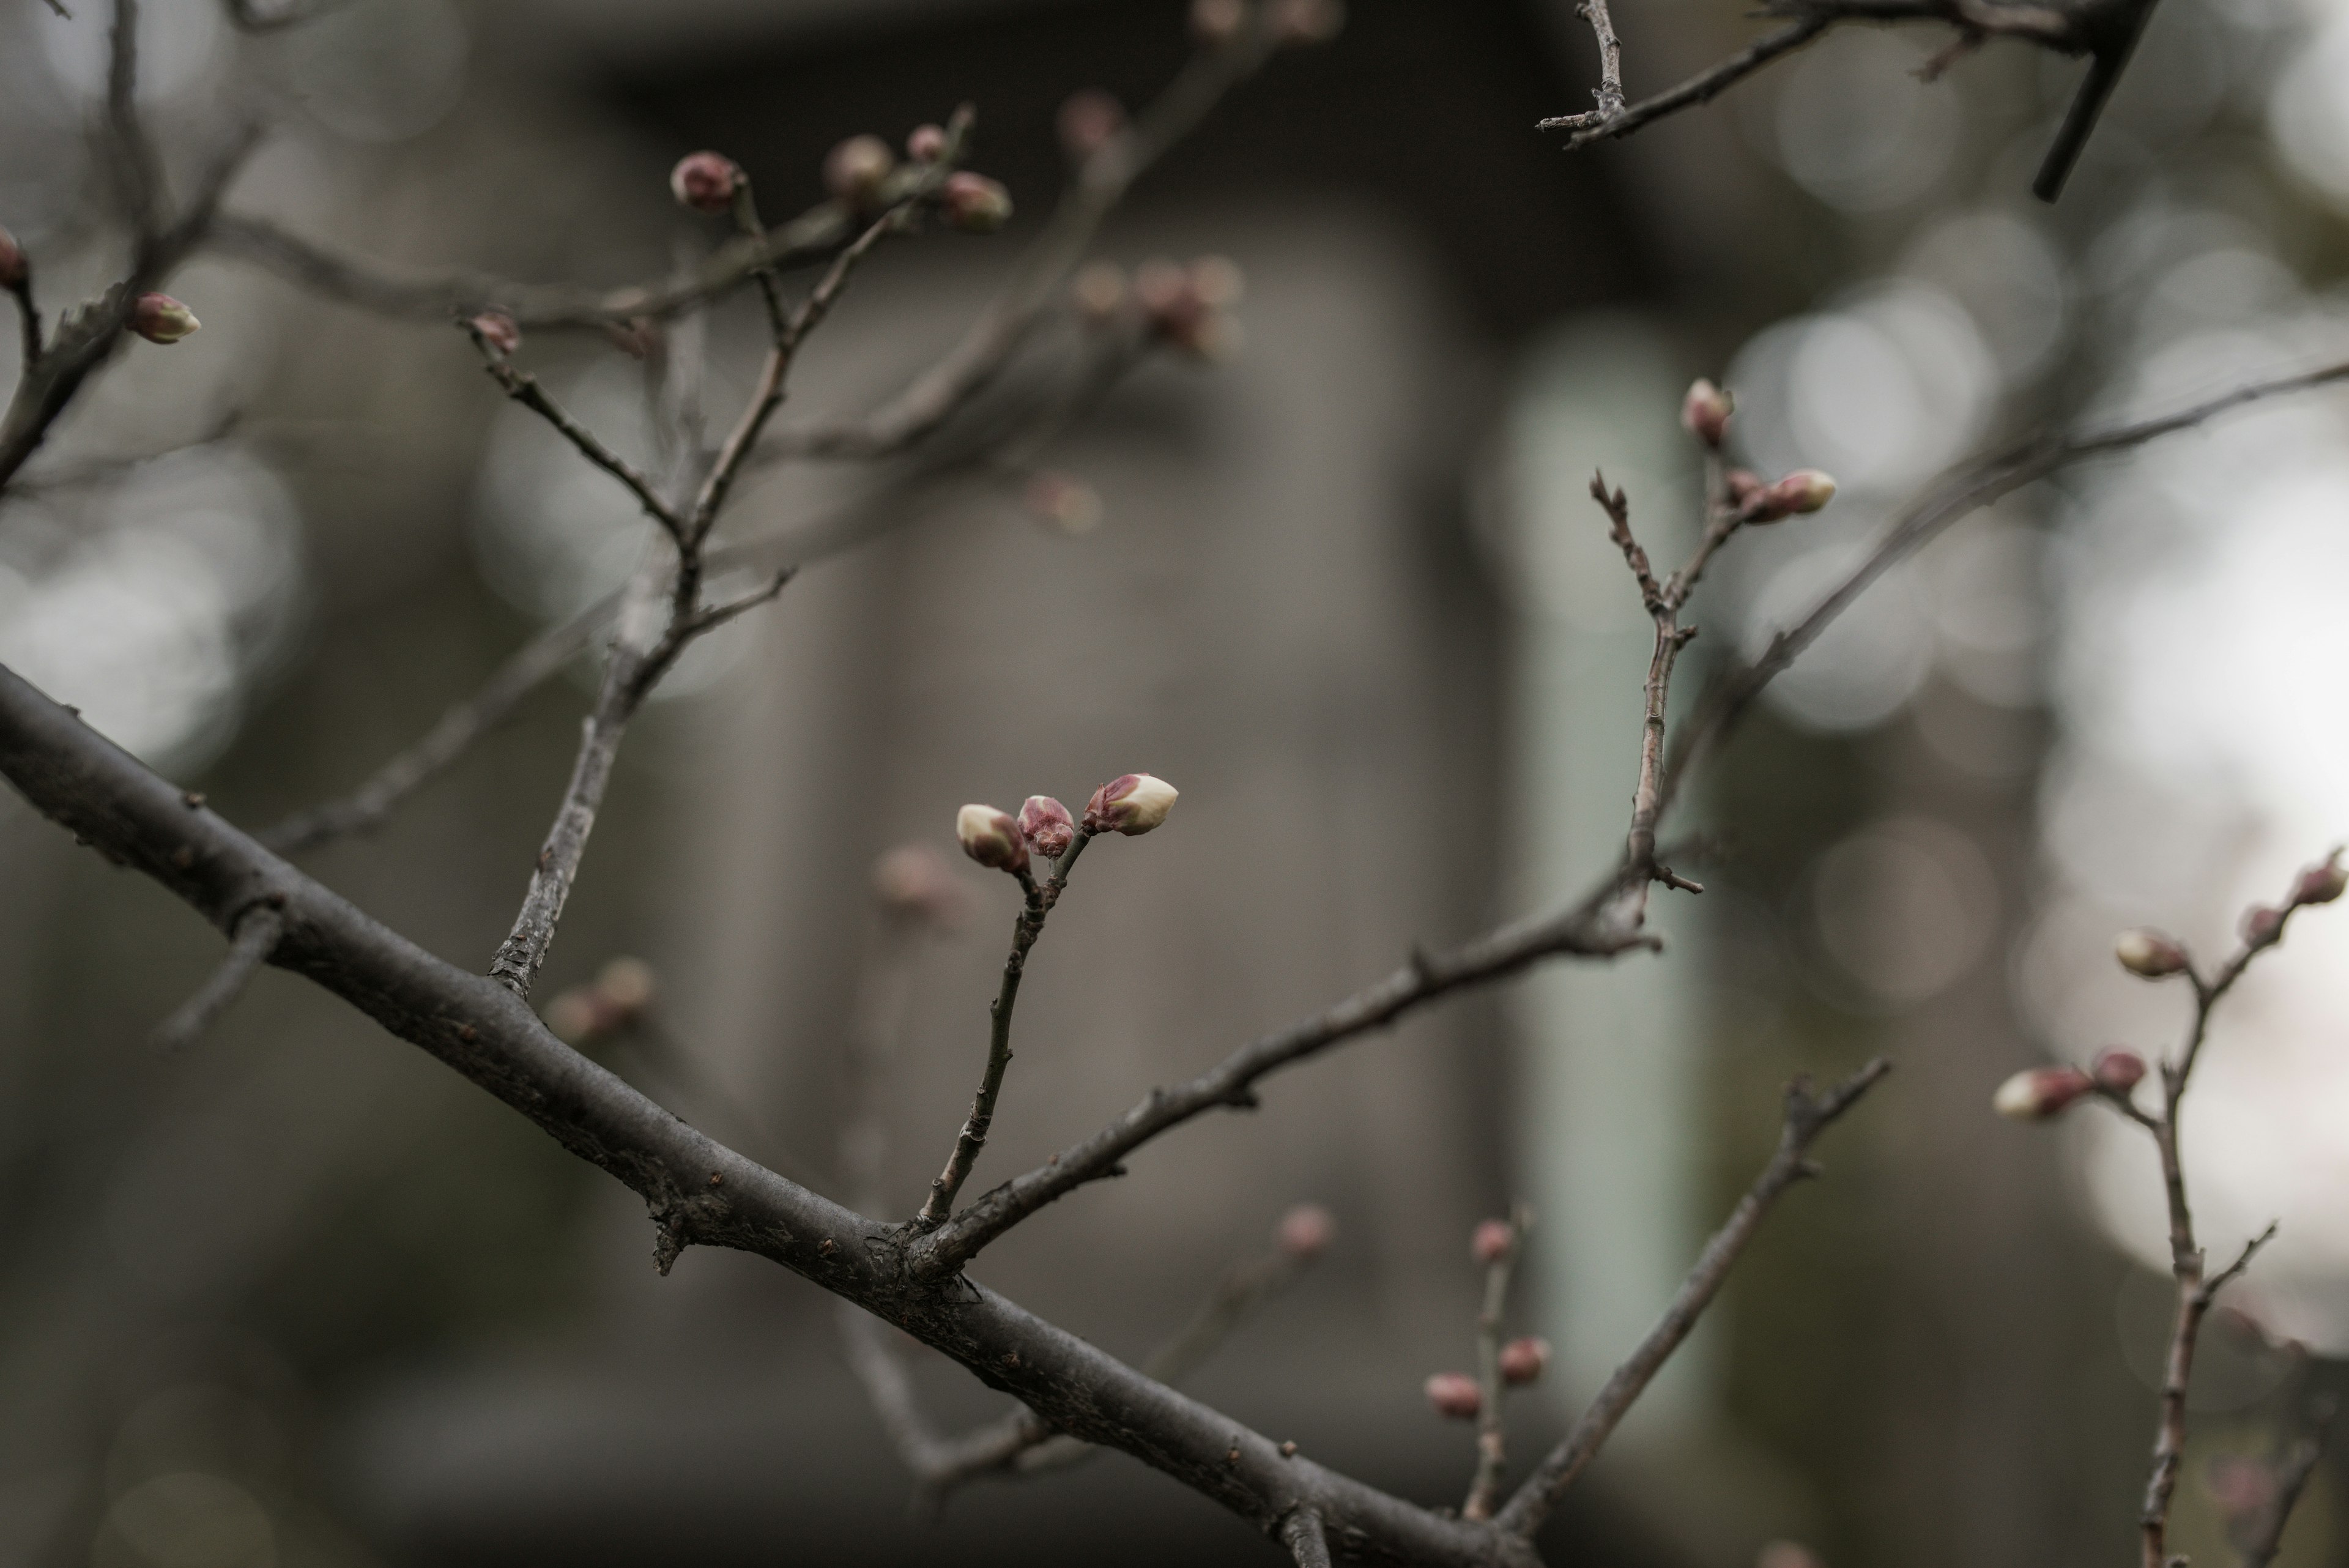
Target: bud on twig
(2036, 1094)
(1455, 1395)
(1309, 21)
(2118, 1068)
(1705, 413)
(974, 204)
(1088, 119)
(1524, 1360)
(855, 170)
(1743, 484)
(2320, 884)
(1492, 1241)
(705, 181)
(925, 143)
(991, 837)
(913, 882)
(1130, 803)
(1804, 490)
(497, 329)
(1047, 826)
(160, 319)
(2262, 925)
(1304, 1232)
(2146, 953)
(13, 268)
(1216, 21)
(614, 999)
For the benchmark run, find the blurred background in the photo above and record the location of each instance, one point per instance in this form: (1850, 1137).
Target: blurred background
(297, 1296)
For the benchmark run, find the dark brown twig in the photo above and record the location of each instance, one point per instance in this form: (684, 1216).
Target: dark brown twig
(1807, 1115)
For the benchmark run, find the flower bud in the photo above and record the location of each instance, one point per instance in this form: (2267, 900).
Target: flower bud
(974, 204)
(497, 329)
(2036, 1094)
(2118, 1068)
(1099, 291)
(1089, 121)
(1743, 484)
(1492, 1241)
(1309, 21)
(160, 319)
(1523, 1360)
(2148, 954)
(913, 882)
(13, 268)
(1069, 504)
(1785, 1555)
(853, 171)
(1804, 490)
(991, 837)
(1455, 1395)
(2262, 925)
(1047, 826)
(1705, 413)
(925, 143)
(1130, 803)
(2320, 884)
(705, 181)
(1216, 21)
(627, 986)
(1304, 1232)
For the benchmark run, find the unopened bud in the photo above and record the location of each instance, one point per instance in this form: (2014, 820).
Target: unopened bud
(1069, 504)
(2320, 884)
(2243, 1487)
(497, 329)
(2149, 954)
(2118, 1068)
(974, 204)
(991, 837)
(1099, 290)
(1304, 1232)
(1743, 484)
(160, 319)
(1804, 490)
(1492, 1241)
(573, 1016)
(1785, 1555)
(853, 171)
(2036, 1094)
(627, 986)
(1089, 121)
(705, 181)
(913, 882)
(1130, 803)
(13, 268)
(1047, 826)
(1705, 413)
(1309, 21)
(1523, 1360)
(2262, 925)
(925, 143)
(1454, 1395)
(1216, 21)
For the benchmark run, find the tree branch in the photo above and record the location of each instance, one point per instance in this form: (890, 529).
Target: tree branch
(256, 933)
(1491, 1429)
(1807, 1115)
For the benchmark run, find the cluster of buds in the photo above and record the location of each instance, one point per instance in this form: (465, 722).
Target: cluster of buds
(2151, 955)
(912, 883)
(1758, 501)
(1190, 307)
(495, 329)
(1089, 121)
(856, 171)
(14, 270)
(1130, 803)
(1705, 413)
(2319, 884)
(707, 183)
(614, 1001)
(973, 204)
(160, 319)
(1304, 1232)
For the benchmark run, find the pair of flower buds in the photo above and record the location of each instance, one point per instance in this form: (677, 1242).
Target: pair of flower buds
(1456, 1395)
(1129, 804)
(1704, 414)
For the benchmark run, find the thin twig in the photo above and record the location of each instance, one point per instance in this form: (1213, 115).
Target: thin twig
(2292, 1471)
(1807, 1115)
(1492, 1429)
(1307, 1542)
(132, 155)
(1591, 126)
(524, 389)
(257, 931)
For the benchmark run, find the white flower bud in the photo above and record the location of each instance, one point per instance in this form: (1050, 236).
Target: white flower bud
(1705, 413)
(2036, 1094)
(160, 319)
(2146, 953)
(991, 837)
(1130, 803)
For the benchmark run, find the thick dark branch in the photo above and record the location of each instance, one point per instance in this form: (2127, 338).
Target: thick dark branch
(698, 1192)
(257, 931)
(1806, 1117)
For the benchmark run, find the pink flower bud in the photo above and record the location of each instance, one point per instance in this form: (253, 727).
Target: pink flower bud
(705, 181)
(2320, 884)
(1216, 21)
(1047, 826)
(1099, 291)
(2036, 1094)
(1069, 504)
(1524, 1360)
(2262, 925)
(2118, 1068)
(1130, 803)
(2148, 954)
(1088, 119)
(574, 1015)
(2243, 1487)
(913, 882)
(1304, 1232)
(1705, 413)
(1804, 490)
(1492, 1241)
(1743, 484)
(160, 319)
(855, 170)
(925, 143)
(1455, 1395)
(974, 204)
(1309, 21)
(497, 329)
(991, 837)
(13, 268)
(626, 986)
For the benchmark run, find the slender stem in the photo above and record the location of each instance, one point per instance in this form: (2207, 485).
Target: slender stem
(137, 178)
(257, 931)
(1492, 1433)
(524, 389)
(1700, 89)
(2293, 1469)
(1025, 929)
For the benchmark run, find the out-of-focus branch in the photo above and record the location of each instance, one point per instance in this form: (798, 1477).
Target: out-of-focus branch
(1807, 1115)
(257, 931)
(253, 16)
(130, 156)
(2289, 1475)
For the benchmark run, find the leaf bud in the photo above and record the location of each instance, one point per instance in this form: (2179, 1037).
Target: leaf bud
(991, 837)
(705, 181)
(1492, 1241)
(1130, 803)
(2149, 954)
(1047, 826)
(1454, 1395)
(2118, 1068)
(2035, 1094)
(1524, 1360)
(160, 319)
(855, 170)
(1304, 1232)
(1705, 413)
(974, 204)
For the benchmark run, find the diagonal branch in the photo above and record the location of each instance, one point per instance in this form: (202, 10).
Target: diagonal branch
(1807, 1115)
(257, 931)
(524, 388)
